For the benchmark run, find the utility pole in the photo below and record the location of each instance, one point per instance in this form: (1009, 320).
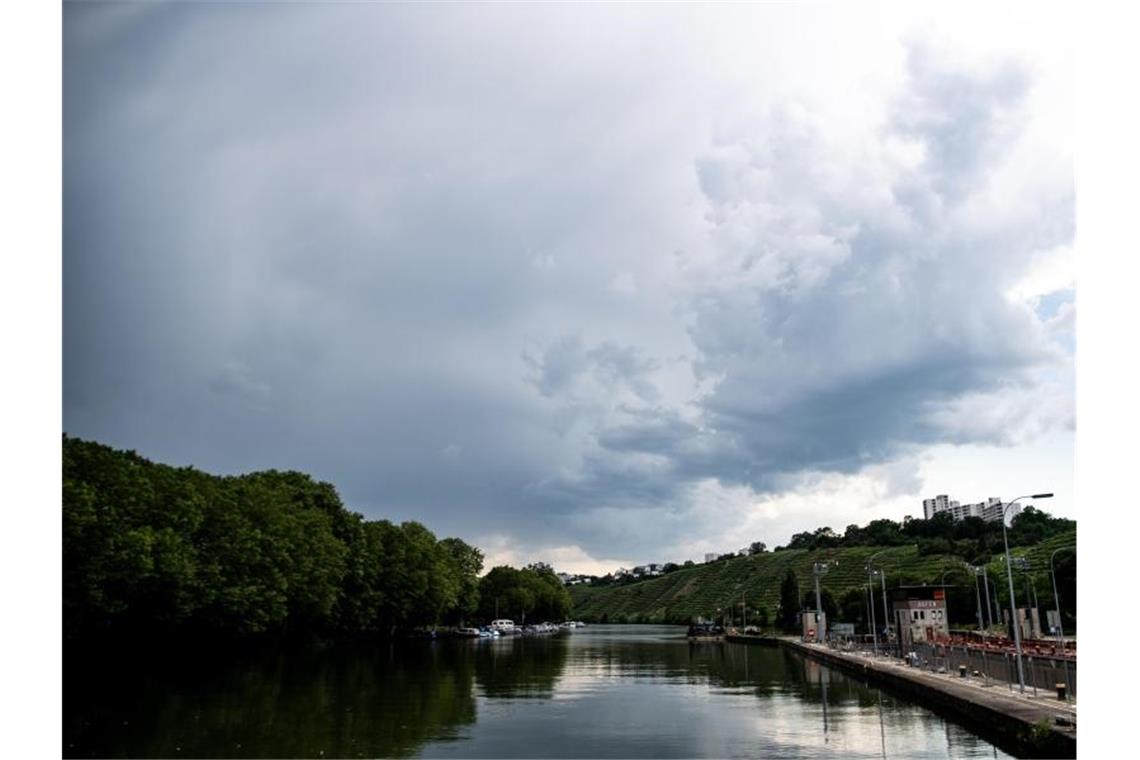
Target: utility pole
(977, 594)
(818, 569)
(886, 610)
(1060, 625)
(989, 605)
(871, 591)
(1012, 598)
(874, 625)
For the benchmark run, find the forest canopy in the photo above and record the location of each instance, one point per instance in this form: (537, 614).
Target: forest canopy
(148, 546)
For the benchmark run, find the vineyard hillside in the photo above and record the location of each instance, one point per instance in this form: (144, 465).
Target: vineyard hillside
(687, 593)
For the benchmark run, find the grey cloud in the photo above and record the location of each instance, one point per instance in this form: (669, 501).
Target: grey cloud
(430, 257)
(561, 362)
(841, 361)
(964, 120)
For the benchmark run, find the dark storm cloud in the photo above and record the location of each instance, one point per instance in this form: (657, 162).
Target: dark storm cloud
(488, 268)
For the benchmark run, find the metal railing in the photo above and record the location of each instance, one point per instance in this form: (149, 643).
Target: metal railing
(989, 668)
(1042, 674)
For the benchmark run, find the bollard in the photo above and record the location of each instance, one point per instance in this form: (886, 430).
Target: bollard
(1061, 691)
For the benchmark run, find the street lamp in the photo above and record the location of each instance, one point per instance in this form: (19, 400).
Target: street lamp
(871, 591)
(1057, 602)
(977, 570)
(1009, 576)
(882, 582)
(1056, 596)
(1022, 564)
(963, 568)
(818, 569)
(992, 604)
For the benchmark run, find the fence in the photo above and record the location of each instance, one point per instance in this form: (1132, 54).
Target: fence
(1042, 674)
(1000, 668)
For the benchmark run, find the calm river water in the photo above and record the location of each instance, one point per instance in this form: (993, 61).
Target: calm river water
(601, 691)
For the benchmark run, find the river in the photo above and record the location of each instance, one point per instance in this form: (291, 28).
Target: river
(601, 691)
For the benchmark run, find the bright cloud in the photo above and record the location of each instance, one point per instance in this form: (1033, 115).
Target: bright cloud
(584, 283)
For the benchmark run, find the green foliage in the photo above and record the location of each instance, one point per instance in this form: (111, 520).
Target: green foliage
(149, 546)
(789, 600)
(971, 538)
(466, 563)
(533, 592)
(826, 600)
(699, 590)
(763, 616)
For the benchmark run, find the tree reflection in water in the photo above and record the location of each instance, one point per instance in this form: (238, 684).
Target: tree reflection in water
(519, 667)
(344, 701)
(640, 691)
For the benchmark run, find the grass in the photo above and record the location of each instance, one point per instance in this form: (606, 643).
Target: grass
(688, 593)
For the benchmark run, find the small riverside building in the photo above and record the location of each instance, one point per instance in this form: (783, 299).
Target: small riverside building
(811, 624)
(920, 615)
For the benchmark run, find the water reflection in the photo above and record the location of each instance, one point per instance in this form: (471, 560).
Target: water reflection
(635, 691)
(518, 667)
(344, 701)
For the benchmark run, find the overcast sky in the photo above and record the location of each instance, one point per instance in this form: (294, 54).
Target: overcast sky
(595, 285)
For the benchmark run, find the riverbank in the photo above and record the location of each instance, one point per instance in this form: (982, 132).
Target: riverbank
(1034, 726)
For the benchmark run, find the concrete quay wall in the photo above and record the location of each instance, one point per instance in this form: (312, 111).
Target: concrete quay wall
(1025, 727)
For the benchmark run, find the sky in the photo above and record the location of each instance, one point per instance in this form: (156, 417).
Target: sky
(596, 285)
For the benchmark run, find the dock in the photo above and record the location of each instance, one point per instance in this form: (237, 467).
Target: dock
(1033, 726)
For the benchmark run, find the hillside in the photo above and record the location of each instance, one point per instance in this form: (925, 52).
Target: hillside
(685, 594)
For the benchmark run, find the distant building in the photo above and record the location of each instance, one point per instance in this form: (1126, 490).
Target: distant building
(812, 623)
(940, 503)
(989, 510)
(920, 615)
(1029, 620)
(569, 579)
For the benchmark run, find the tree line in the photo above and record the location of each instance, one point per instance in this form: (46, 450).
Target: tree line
(972, 538)
(148, 546)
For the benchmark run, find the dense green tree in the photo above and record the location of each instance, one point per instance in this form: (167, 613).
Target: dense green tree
(830, 608)
(853, 607)
(789, 601)
(533, 593)
(466, 562)
(146, 546)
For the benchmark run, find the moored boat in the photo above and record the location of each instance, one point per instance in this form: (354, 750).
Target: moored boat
(705, 632)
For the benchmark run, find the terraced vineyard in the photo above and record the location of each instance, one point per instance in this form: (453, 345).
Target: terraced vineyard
(688, 593)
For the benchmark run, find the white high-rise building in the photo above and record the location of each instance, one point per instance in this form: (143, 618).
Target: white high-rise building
(940, 503)
(989, 510)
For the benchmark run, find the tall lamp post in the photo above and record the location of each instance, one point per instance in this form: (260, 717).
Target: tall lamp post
(1060, 625)
(1056, 596)
(818, 569)
(883, 584)
(1009, 576)
(977, 571)
(993, 604)
(1022, 564)
(963, 568)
